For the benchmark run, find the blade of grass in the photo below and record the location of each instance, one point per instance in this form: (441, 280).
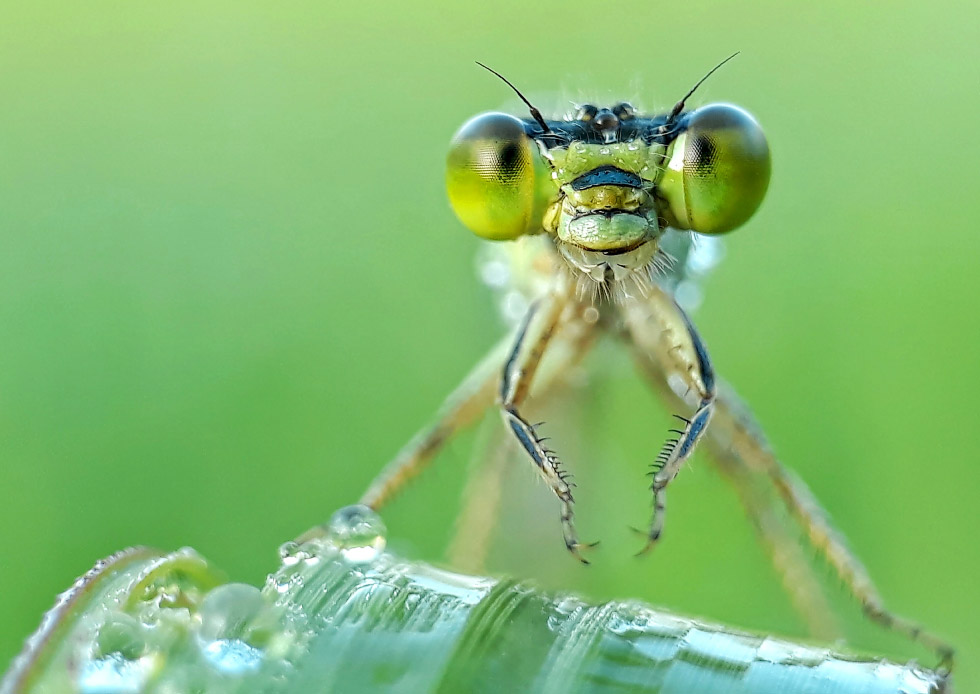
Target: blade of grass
(144, 621)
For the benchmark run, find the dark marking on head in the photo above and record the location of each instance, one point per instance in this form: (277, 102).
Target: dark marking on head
(607, 176)
(563, 132)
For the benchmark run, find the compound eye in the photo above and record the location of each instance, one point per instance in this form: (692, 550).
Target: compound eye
(490, 177)
(718, 170)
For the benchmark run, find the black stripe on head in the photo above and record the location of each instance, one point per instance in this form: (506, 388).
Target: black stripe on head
(607, 176)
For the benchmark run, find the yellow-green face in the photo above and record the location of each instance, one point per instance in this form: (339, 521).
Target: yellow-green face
(608, 181)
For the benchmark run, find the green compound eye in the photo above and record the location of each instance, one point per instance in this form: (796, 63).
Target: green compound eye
(496, 180)
(718, 171)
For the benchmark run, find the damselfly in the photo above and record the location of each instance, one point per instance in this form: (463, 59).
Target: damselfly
(589, 204)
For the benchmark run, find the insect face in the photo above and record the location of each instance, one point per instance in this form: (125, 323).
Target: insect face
(607, 182)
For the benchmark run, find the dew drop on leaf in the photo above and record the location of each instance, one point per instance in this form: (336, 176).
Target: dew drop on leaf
(358, 532)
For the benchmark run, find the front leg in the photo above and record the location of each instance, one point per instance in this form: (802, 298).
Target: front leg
(481, 497)
(543, 319)
(740, 449)
(657, 325)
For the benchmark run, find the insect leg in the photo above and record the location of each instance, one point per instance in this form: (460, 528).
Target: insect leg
(540, 324)
(783, 549)
(477, 519)
(464, 405)
(831, 544)
(739, 434)
(481, 498)
(736, 438)
(657, 325)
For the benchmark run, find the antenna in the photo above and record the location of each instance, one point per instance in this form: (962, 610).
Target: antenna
(535, 113)
(679, 106)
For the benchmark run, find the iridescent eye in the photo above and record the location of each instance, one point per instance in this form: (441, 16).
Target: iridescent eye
(496, 179)
(718, 170)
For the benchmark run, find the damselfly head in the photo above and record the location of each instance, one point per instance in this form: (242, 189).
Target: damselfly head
(607, 181)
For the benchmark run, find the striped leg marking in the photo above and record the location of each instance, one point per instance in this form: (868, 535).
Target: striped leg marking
(659, 326)
(542, 321)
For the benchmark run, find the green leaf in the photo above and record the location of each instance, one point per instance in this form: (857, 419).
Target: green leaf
(342, 616)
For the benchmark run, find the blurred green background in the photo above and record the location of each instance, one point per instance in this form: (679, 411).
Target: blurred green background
(231, 288)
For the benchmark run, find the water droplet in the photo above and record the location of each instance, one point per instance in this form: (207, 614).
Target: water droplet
(705, 255)
(513, 306)
(120, 635)
(569, 605)
(293, 554)
(232, 656)
(236, 624)
(235, 611)
(283, 582)
(688, 295)
(288, 553)
(114, 674)
(493, 266)
(358, 532)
